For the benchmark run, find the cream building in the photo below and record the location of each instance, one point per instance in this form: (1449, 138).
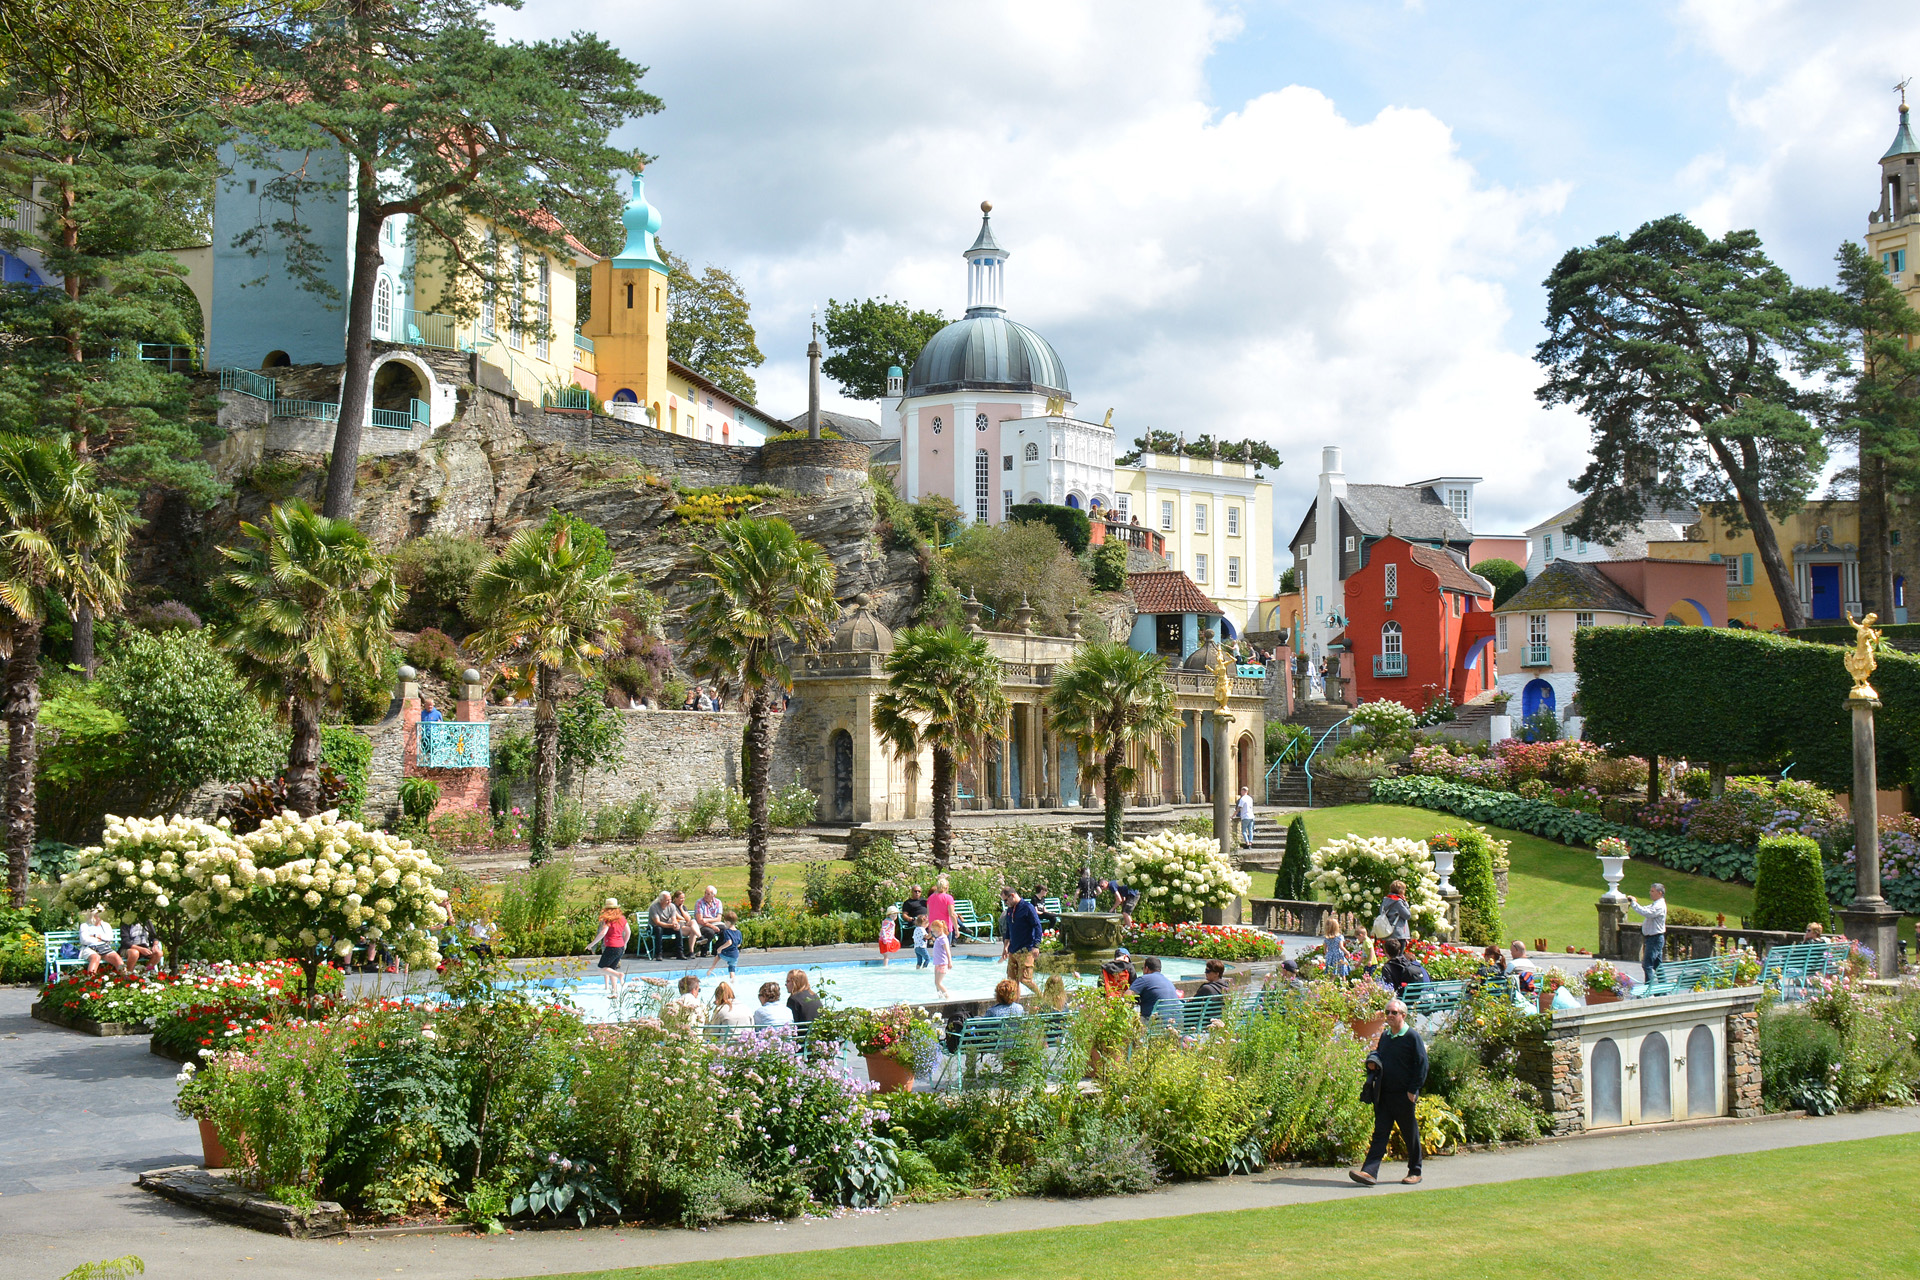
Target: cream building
(1216, 515)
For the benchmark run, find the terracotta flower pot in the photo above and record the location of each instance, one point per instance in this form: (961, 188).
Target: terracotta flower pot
(1546, 1001)
(1366, 1028)
(1603, 997)
(1539, 944)
(213, 1152)
(890, 1074)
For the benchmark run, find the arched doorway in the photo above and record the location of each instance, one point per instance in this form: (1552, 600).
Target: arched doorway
(399, 388)
(1243, 764)
(1603, 1084)
(1535, 698)
(1073, 500)
(1702, 1091)
(624, 396)
(277, 360)
(1656, 1079)
(842, 747)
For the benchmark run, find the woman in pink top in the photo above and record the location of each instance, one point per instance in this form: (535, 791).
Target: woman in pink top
(940, 907)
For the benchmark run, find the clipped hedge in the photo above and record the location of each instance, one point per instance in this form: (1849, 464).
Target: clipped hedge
(1789, 883)
(1290, 885)
(1069, 524)
(1729, 696)
(1568, 826)
(349, 753)
(1479, 892)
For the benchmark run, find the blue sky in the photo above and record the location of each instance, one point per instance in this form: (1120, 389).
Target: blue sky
(1311, 223)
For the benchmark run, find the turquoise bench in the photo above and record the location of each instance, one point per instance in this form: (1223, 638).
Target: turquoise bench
(1683, 975)
(994, 1038)
(1434, 997)
(1791, 969)
(971, 925)
(56, 964)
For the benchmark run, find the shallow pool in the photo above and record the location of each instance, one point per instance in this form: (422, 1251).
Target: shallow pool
(866, 983)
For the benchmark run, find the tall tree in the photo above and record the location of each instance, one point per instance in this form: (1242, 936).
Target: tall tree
(61, 539)
(865, 338)
(1690, 358)
(548, 599)
(1109, 699)
(1005, 564)
(1880, 411)
(710, 327)
(436, 120)
(943, 694)
(1203, 446)
(770, 592)
(309, 598)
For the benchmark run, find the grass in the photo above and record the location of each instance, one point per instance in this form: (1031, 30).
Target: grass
(1551, 888)
(1813, 1211)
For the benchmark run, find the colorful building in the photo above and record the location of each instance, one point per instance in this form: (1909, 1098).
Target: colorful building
(1549, 542)
(1418, 626)
(1215, 516)
(1821, 543)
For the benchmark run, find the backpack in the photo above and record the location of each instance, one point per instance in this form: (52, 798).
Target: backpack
(1382, 926)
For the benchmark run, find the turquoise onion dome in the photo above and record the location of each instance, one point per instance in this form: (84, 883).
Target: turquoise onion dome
(642, 220)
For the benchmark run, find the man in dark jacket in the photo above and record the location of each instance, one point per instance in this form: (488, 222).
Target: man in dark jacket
(1022, 934)
(1401, 968)
(1398, 1068)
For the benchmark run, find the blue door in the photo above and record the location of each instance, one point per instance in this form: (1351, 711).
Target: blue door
(1535, 698)
(1826, 590)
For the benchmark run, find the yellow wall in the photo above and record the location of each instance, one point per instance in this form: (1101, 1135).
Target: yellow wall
(1755, 605)
(628, 325)
(1219, 485)
(520, 356)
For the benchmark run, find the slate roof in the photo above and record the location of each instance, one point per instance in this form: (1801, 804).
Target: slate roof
(1413, 513)
(849, 427)
(1657, 524)
(1447, 569)
(1168, 591)
(1569, 584)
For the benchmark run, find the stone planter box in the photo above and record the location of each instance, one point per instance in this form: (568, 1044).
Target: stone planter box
(72, 1022)
(222, 1197)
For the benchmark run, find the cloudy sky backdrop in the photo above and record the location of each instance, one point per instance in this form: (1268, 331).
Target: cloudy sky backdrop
(1311, 223)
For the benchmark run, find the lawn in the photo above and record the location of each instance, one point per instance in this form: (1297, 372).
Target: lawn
(1816, 1211)
(1551, 888)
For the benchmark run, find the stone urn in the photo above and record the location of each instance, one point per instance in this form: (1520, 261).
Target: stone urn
(1090, 935)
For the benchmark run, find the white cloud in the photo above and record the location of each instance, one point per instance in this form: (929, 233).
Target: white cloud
(1278, 270)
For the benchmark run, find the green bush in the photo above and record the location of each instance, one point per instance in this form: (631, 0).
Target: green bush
(709, 806)
(1192, 1104)
(1109, 568)
(1289, 742)
(792, 929)
(1789, 883)
(569, 823)
(349, 753)
(1069, 524)
(793, 805)
(1291, 882)
(1799, 1062)
(1505, 576)
(1304, 1079)
(1479, 893)
(418, 798)
(437, 570)
(433, 650)
(1096, 1156)
(640, 815)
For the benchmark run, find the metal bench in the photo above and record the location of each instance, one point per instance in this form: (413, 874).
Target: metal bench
(56, 964)
(1683, 975)
(995, 1038)
(1434, 997)
(1791, 968)
(972, 925)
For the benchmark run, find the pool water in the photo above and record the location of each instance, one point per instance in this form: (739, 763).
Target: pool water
(866, 983)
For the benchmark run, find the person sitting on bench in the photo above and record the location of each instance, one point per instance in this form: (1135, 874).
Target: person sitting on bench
(96, 942)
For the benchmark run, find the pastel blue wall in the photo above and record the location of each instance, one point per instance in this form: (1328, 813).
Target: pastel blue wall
(257, 307)
(1142, 639)
(1189, 633)
(1189, 751)
(1069, 774)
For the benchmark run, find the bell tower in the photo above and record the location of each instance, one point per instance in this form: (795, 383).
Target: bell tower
(629, 321)
(1893, 229)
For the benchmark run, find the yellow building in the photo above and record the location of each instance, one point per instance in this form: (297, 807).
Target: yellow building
(1893, 229)
(1216, 515)
(627, 320)
(1821, 544)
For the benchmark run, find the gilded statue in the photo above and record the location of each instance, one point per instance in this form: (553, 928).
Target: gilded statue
(1860, 660)
(1056, 406)
(1223, 668)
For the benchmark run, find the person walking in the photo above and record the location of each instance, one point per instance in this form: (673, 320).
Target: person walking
(941, 953)
(940, 906)
(1653, 930)
(1336, 946)
(920, 957)
(1396, 1070)
(889, 935)
(1399, 915)
(611, 943)
(1022, 946)
(1243, 809)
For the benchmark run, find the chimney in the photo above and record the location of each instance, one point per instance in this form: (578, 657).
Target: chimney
(1330, 460)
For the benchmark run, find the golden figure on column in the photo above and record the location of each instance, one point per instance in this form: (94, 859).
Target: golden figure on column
(1860, 660)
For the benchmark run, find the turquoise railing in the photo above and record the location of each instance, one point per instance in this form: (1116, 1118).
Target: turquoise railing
(1536, 655)
(567, 398)
(177, 357)
(247, 383)
(1389, 664)
(1306, 766)
(427, 329)
(583, 342)
(317, 410)
(454, 744)
(1251, 671)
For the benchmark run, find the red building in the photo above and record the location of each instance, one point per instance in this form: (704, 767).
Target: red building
(1418, 625)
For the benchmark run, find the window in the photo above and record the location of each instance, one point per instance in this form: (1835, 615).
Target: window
(1457, 503)
(386, 229)
(1233, 522)
(1006, 499)
(1456, 605)
(1733, 571)
(1033, 452)
(1895, 262)
(1199, 568)
(979, 422)
(1349, 542)
(1056, 448)
(542, 312)
(1123, 505)
(1166, 516)
(1900, 593)
(936, 426)
(1893, 537)
(516, 295)
(490, 301)
(1500, 632)
(1006, 462)
(1546, 546)
(1582, 546)
(1582, 620)
(253, 186)
(982, 484)
(1537, 628)
(1390, 639)
(1233, 571)
(1392, 576)
(383, 307)
(1199, 517)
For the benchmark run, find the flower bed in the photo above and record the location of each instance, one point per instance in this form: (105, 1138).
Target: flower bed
(1180, 874)
(108, 996)
(1202, 941)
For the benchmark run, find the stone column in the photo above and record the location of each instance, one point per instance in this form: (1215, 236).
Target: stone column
(1612, 916)
(472, 706)
(1222, 804)
(1450, 898)
(1032, 785)
(1869, 921)
(409, 720)
(1004, 798)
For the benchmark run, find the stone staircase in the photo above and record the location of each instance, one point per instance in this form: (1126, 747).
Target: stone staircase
(1290, 789)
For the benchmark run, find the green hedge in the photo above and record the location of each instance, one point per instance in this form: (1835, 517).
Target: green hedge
(1731, 696)
(1479, 891)
(1568, 826)
(348, 753)
(1290, 885)
(1844, 635)
(1069, 524)
(1789, 883)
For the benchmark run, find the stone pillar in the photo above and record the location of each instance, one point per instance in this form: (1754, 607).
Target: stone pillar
(1222, 802)
(472, 706)
(409, 720)
(1004, 797)
(1612, 916)
(1450, 898)
(1743, 1064)
(1869, 921)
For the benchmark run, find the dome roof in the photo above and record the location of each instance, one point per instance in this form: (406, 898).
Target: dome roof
(987, 352)
(860, 632)
(1202, 659)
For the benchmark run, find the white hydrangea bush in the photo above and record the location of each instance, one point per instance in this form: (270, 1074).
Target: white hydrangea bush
(1180, 874)
(1383, 719)
(139, 871)
(1354, 873)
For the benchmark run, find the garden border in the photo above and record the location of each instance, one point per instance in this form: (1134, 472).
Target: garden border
(87, 1026)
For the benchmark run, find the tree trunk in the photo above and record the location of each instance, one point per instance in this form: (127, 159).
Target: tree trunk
(546, 762)
(1740, 471)
(942, 807)
(303, 758)
(759, 769)
(1653, 779)
(83, 652)
(1116, 802)
(77, 422)
(357, 375)
(23, 713)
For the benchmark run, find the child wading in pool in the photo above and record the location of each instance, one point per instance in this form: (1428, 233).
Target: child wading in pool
(889, 934)
(727, 945)
(611, 943)
(942, 955)
(920, 960)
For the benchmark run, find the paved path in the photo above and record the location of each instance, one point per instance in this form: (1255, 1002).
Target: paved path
(46, 1235)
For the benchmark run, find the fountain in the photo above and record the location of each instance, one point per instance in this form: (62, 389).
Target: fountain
(1092, 936)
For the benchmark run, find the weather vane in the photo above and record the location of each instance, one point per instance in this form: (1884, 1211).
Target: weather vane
(1901, 89)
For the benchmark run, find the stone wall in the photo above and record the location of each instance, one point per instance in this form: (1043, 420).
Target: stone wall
(972, 841)
(1743, 1063)
(695, 462)
(1552, 1064)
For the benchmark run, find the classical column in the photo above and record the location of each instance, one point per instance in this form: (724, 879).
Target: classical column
(1005, 797)
(1029, 759)
(1222, 802)
(1869, 921)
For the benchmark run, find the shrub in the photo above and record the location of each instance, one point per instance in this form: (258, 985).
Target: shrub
(569, 823)
(1789, 884)
(168, 615)
(639, 816)
(349, 754)
(1612, 775)
(1388, 724)
(709, 806)
(1109, 566)
(1354, 873)
(418, 798)
(1289, 742)
(1291, 882)
(437, 570)
(1180, 874)
(433, 650)
(1359, 766)
(1799, 1062)
(1193, 1105)
(1304, 1081)
(1095, 1156)
(1069, 524)
(1473, 867)
(1505, 576)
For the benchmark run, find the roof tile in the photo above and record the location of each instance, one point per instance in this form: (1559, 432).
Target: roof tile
(1168, 591)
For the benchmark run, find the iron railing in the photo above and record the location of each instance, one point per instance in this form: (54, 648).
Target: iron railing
(20, 214)
(248, 383)
(1536, 655)
(571, 399)
(317, 410)
(1389, 664)
(427, 329)
(454, 744)
(175, 357)
(1306, 766)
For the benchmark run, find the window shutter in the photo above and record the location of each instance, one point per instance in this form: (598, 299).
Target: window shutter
(1746, 568)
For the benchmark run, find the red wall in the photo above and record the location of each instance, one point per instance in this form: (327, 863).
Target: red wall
(1430, 636)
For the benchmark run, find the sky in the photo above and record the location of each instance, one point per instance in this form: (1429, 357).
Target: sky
(1307, 222)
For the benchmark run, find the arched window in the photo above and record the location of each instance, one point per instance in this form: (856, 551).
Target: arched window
(1656, 1079)
(979, 422)
(1033, 452)
(625, 396)
(1900, 592)
(1390, 639)
(982, 485)
(1603, 1085)
(1703, 1094)
(383, 307)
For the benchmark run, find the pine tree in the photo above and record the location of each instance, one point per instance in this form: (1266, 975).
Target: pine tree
(1291, 883)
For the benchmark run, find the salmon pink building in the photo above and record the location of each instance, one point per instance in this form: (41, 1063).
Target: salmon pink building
(1419, 626)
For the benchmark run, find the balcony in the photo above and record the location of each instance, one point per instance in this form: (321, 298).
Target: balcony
(427, 329)
(1389, 664)
(567, 400)
(1139, 537)
(583, 357)
(454, 744)
(1535, 655)
(20, 214)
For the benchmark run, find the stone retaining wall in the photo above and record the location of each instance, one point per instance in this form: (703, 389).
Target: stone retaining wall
(697, 463)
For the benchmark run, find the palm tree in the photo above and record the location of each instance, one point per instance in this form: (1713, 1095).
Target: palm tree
(549, 600)
(943, 692)
(772, 590)
(311, 600)
(1107, 699)
(60, 537)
